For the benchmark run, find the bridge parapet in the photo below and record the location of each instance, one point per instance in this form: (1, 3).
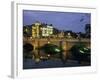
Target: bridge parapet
(66, 43)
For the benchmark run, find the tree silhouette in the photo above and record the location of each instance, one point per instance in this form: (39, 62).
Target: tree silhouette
(88, 30)
(27, 31)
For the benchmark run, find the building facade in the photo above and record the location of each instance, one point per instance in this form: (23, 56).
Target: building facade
(38, 30)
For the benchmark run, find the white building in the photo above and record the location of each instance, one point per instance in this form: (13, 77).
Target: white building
(47, 31)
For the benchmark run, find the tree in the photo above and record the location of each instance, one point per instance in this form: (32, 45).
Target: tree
(27, 31)
(88, 30)
(55, 31)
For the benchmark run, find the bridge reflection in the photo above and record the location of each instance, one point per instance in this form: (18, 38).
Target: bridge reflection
(65, 44)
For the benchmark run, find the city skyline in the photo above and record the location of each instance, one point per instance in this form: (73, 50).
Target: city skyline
(60, 20)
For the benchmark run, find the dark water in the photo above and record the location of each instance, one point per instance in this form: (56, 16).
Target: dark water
(31, 64)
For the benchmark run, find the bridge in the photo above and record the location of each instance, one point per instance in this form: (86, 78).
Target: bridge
(64, 43)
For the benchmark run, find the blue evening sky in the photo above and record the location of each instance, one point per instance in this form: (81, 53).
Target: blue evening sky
(60, 20)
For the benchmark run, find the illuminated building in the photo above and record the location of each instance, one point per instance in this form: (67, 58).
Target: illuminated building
(69, 35)
(36, 30)
(33, 31)
(37, 25)
(39, 30)
(47, 31)
(61, 34)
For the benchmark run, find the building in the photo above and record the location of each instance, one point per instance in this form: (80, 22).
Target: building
(61, 34)
(36, 29)
(39, 30)
(47, 31)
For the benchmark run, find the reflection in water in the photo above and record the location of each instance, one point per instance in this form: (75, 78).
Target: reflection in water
(50, 56)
